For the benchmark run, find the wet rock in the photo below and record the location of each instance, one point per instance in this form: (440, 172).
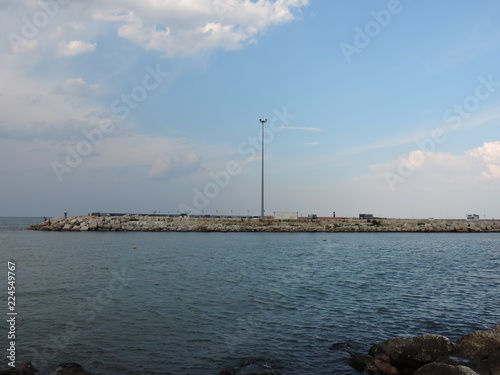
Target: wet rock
(25, 368)
(371, 365)
(412, 352)
(444, 369)
(70, 369)
(251, 366)
(477, 353)
(475, 364)
(493, 362)
(479, 344)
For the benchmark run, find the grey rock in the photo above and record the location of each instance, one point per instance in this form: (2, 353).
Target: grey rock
(25, 368)
(251, 366)
(412, 352)
(70, 369)
(479, 344)
(475, 364)
(444, 369)
(493, 362)
(371, 365)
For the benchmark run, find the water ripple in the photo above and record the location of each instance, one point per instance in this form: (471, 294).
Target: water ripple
(195, 303)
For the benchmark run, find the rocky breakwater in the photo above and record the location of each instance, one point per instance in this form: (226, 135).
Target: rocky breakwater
(187, 224)
(477, 353)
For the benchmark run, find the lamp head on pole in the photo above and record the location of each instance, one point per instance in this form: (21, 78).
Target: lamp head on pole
(263, 121)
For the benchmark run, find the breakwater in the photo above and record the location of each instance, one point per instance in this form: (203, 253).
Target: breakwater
(188, 224)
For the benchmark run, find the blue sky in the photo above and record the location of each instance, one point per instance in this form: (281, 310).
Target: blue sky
(383, 107)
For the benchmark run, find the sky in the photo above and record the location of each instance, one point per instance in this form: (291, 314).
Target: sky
(382, 107)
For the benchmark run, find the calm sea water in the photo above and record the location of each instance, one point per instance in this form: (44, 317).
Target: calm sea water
(196, 303)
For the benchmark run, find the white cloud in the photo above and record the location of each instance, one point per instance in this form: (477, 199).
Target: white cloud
(33, 104)
(489, 156)
(76, 87)
(167, 166)
(46, 105)
(33, 108)
(173, 28)
(429, 185)
(439, 171)
(186, 27)
(57, 33)
(25, 46)
(75, 47)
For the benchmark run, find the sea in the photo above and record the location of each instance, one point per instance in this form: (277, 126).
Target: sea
(122, 303)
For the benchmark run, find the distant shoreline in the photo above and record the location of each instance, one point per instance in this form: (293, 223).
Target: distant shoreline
(190, 224)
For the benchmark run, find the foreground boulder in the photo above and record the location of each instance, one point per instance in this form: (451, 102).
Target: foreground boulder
(479, 344)
(25, 368)
(251, 366)
(477, 353)
(493, 362)
(444, 369)
(70, 369)
(414, 352)
(372, 365)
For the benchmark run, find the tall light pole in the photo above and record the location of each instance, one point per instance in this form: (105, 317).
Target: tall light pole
(262, 121)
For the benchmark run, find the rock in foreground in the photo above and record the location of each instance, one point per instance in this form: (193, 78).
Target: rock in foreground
(70, 369)
(25, 368)
(252, 366)
(477, 353)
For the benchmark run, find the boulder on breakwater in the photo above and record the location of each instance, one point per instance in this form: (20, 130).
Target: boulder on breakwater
(477, 353)
(189, 224)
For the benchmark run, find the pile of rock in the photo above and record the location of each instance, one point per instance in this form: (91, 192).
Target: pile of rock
(477, 353)
(189, 224)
